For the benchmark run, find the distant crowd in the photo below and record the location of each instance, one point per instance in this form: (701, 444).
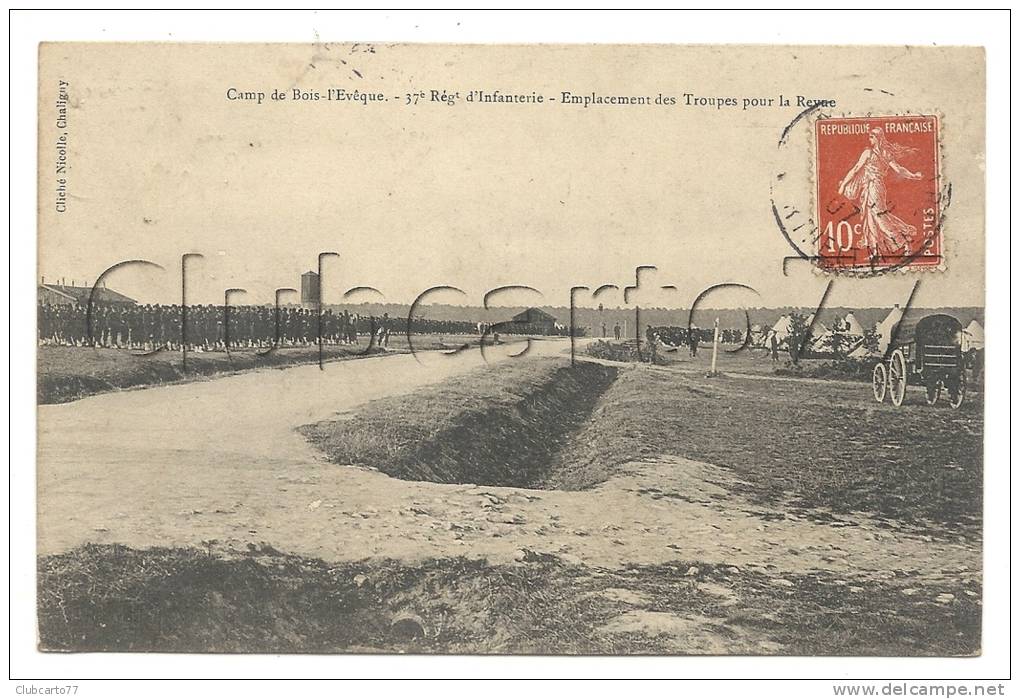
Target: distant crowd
(152, 326)
(673, 337)
(677, 337)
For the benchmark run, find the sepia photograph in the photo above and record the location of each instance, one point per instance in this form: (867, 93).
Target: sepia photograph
(461, 348)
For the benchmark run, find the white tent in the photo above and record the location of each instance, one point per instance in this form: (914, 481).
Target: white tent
(782, 328)
(851, 326)
(849, 342)
(973, 337)
(887, 327)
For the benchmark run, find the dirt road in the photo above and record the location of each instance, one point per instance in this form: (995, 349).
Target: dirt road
(125, 466)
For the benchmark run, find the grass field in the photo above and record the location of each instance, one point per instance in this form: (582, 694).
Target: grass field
(69, 373)
(809, 444)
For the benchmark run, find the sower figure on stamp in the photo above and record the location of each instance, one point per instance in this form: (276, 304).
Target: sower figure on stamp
(865, 184)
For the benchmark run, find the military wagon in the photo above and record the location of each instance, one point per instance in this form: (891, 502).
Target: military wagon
(928, 353)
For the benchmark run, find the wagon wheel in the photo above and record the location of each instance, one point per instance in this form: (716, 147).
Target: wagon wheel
(957, 391)
(932, 392)
(897, 377)
(879, 381)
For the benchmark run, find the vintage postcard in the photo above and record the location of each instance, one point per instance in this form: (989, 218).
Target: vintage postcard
(511, 349)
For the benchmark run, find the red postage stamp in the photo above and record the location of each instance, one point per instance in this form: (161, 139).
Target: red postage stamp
(878, 192)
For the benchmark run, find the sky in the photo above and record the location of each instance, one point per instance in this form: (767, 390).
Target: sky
(162, 163)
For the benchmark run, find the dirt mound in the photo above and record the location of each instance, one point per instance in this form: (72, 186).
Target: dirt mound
(501, 425)
(176, 599)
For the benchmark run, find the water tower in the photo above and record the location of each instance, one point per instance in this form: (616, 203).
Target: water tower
(309, 290)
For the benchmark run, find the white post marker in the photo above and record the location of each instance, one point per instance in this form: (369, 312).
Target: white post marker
(715, 345)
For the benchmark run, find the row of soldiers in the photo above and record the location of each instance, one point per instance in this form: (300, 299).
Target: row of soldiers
(151, 326)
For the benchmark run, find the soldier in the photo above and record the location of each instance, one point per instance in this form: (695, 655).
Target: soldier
(351, 335)
(653, 342)
(147, 328)
(978, 366)
(42, 314)
(267, 333)
(352, 328)
(308, 326)
(76, 325)
(695, 332)
(173, 331)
